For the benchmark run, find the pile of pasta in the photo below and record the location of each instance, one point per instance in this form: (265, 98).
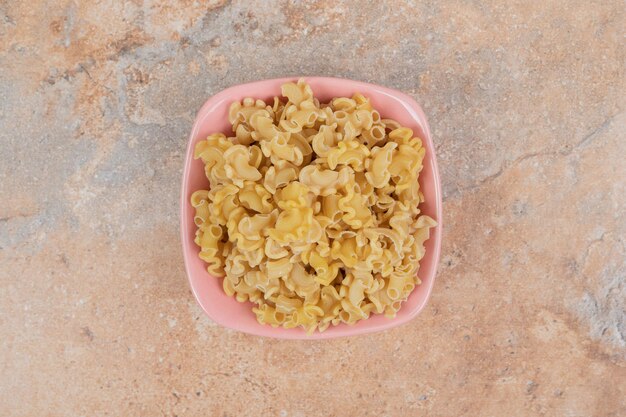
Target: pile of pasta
(312, 212)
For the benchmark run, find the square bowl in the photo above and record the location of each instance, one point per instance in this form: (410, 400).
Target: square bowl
(213, 117)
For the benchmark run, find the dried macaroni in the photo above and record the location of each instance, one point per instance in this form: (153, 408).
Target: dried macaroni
(313, 209)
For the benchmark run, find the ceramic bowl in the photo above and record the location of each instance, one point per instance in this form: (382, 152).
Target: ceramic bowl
(213, 117)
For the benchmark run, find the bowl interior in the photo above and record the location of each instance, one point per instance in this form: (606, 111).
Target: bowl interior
(213, 117)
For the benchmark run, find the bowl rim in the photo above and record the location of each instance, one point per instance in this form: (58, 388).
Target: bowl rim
(416, 113)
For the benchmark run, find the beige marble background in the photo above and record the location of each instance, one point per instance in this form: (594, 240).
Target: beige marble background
(526, 102)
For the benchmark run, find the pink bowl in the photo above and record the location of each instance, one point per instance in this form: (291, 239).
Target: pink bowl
(213, 117)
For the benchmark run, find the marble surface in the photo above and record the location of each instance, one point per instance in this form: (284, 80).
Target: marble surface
(526, 103)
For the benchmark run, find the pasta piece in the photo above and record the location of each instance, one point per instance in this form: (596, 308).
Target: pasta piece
(378, 166)
(362, 102)
(325, 140)
(350, 153)
(356, 213)
(237, 165)
(200, 203)
(269, 315)
(273, 250)
(300, 282)
(374, 135)
(224, 201)
(405, 166)
(323, 181)
(240, 112)
(330, 207)
(243, 135)
(209, 241)
(279, 149)
(294, 225)
(255, 197)
(326, 272)
(299, 119)
(298, 92)
(346, 252)
(279, 175)
(294, 195)
(302, 144)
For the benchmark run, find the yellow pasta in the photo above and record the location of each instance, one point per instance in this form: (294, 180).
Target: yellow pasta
(312, 212)
(351, 153)
(237, 165)
(279, 175)
(255, 197)
(322, 181)
(378, 166)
